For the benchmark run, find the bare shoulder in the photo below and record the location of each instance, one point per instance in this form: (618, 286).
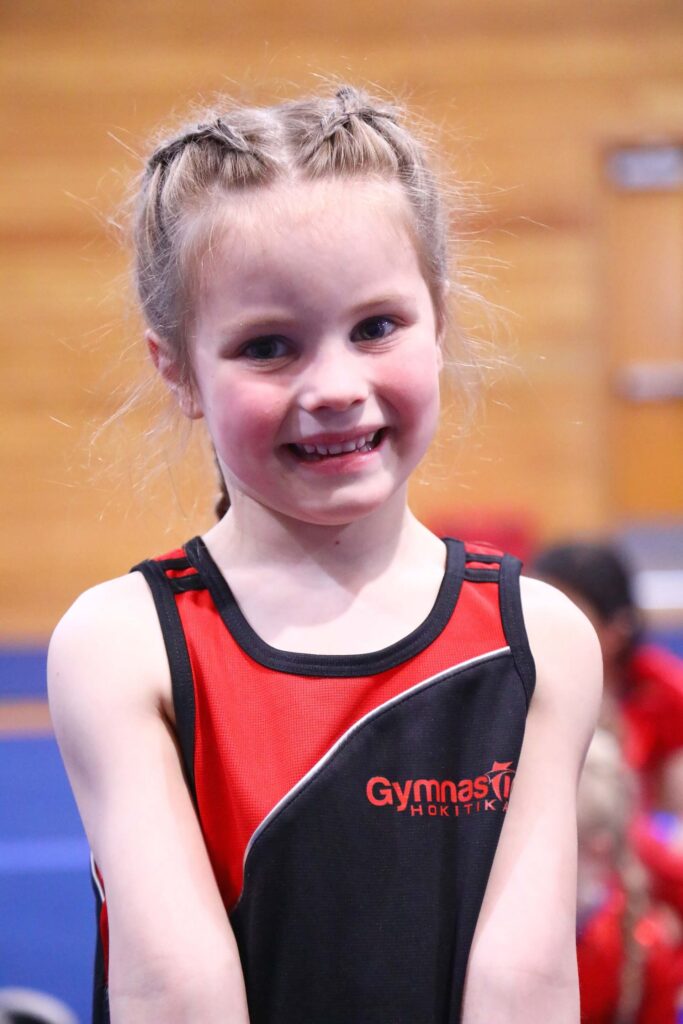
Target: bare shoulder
(108, 678)
(124, 603)
(548, 613)
(566, 652)
(111, 630)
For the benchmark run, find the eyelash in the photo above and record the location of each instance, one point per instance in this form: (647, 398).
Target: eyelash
(274, 340)
(375, 320)
(269, 339)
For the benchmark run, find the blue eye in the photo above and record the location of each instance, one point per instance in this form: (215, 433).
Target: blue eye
(375, 328)
(269, 347)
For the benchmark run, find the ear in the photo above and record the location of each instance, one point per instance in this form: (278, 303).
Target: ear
(166, 364)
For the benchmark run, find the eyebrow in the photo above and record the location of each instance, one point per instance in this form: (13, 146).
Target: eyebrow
(385, 299)
(270, 322)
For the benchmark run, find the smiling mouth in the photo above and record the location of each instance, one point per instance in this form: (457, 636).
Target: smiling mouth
(316, 452)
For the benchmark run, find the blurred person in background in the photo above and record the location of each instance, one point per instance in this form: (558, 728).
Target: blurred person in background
(629, 948)
(658, 834)
(642, 702)
(643, 683)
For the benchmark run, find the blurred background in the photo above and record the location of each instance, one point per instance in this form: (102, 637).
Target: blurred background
(567, 118)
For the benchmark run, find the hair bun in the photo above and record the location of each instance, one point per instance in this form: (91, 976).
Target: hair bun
(350, 99)
(228, 135)
(352, 103)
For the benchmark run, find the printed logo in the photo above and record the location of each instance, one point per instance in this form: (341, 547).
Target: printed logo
(445, 798)
(500, 776)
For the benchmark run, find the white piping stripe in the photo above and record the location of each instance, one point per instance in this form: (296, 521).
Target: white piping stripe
(357, 725)
(93, 872)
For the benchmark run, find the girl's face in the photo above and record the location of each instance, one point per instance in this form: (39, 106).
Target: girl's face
(315, 355)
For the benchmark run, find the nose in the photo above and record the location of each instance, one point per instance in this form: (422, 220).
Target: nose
(335, 377)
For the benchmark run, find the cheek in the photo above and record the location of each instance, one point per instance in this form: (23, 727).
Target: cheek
(244, 421)
(415, 387)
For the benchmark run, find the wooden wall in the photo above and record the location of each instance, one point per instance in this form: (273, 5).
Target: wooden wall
(530, 95)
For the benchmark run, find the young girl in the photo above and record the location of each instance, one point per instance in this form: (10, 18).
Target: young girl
(295, 740)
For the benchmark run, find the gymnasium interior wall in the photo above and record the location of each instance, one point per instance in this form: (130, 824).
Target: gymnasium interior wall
(529, 99)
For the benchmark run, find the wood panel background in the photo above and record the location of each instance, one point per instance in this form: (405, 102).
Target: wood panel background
(529, 95)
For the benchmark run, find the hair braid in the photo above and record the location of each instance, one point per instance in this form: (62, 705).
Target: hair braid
(218, 131)
(222, 503)
(350, 104)
(201, 161)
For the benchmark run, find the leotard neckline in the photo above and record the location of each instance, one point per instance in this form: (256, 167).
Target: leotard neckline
(331, 665)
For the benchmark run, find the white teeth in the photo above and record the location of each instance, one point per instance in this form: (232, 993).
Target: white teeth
(360, 444)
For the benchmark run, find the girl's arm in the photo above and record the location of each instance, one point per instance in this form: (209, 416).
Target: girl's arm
(172, 954)
(522, 967)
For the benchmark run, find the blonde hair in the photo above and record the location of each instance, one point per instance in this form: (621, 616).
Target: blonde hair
(607, 792)
(606, 804)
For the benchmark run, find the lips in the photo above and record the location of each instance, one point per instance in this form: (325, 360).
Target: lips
(314, 452)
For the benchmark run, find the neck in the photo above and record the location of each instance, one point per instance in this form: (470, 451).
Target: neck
(251, 535)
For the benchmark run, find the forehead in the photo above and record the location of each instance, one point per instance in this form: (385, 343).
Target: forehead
(263, 240)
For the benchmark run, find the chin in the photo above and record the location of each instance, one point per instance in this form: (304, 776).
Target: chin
(337, 513)
(337, 517)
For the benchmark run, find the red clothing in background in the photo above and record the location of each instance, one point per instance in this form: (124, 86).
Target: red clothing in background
(652, 705)
(600, 951)
(662, 856)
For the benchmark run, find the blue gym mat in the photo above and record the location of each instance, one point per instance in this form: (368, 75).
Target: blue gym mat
(47, 918)
(22, 672)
